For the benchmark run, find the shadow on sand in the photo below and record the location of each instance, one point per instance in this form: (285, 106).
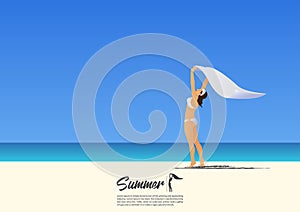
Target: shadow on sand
(220, 167)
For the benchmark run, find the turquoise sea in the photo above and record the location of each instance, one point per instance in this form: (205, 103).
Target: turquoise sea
(137, 152)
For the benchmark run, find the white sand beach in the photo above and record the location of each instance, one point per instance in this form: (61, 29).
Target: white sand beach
(81, 186)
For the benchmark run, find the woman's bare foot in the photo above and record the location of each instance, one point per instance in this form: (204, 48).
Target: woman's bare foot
(201, 162)
(192, 163)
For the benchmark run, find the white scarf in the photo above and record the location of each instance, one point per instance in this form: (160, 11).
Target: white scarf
(225, 87)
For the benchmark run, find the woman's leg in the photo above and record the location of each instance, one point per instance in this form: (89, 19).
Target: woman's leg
(198, 146)
(189, 133)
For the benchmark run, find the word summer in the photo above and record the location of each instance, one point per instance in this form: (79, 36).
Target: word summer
(125, 183)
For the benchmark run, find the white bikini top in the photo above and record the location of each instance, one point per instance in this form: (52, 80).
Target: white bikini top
(189, 103)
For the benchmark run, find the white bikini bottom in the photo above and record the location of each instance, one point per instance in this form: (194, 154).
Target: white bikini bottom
(194, 120)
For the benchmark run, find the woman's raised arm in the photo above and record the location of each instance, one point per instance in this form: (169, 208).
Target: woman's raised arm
(204, 84)
(192, 79)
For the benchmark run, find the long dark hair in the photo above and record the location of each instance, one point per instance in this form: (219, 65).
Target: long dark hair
(200, 98)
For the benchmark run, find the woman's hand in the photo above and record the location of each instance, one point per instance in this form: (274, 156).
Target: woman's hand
(194, 69)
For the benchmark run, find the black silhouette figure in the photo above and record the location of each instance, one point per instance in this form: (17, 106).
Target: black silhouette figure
(171, 176)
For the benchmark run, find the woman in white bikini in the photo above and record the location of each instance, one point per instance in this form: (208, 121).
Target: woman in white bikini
(190, 122)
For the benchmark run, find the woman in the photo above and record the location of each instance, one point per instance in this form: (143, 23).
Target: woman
(190, 122)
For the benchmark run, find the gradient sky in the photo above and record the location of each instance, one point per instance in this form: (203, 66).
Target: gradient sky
(44, 46)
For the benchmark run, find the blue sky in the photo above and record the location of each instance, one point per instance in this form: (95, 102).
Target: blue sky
(44, 46)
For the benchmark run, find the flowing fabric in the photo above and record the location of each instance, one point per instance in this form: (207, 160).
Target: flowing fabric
(225, 87)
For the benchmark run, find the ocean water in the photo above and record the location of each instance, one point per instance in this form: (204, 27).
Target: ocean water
(138, 152)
